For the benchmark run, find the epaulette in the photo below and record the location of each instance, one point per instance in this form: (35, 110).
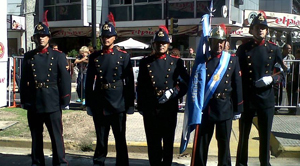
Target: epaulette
(173, 56)
(58, 51)
(272, 43)
(123, 51)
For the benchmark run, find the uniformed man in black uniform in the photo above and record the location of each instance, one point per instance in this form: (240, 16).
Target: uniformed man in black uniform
(257, 59)
(162, 80)
(110, 95)
(45, 89)
(225, 104)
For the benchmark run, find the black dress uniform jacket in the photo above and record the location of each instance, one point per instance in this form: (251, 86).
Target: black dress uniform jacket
(45, 83)
(227, 98)
(110, 82)
(156, 75)
(226, 102)
(257, 60)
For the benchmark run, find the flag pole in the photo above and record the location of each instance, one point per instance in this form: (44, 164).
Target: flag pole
(211, 10)
(195, 145)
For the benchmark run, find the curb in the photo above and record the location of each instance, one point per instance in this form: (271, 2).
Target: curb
(133, 147)
(277, 149)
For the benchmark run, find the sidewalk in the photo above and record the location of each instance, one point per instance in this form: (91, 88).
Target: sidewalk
(136, 139)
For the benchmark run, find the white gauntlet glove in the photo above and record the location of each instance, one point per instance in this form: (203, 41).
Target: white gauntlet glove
(238, 116)
(264, 81)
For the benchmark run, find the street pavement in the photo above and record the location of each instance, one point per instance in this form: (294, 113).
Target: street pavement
(285, 144)
(21, 157)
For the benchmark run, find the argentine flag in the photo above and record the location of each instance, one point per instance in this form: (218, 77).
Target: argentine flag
(195, 94)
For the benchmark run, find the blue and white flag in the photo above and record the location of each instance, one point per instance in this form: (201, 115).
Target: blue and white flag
(195, 94)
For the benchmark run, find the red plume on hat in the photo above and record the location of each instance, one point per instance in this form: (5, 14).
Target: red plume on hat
(45, 18)
(263, 13)
(223, 26)
(164, 28)
(111, 19)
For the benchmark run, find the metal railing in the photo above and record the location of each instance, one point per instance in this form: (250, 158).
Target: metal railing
(286, 92)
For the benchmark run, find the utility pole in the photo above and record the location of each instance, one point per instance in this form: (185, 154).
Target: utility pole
(29, 14)
(94, 23)
(167, 13)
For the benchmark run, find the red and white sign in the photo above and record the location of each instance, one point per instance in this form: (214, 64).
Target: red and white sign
(3, 83)
(2, 50)
(3, 54)
(275, 20)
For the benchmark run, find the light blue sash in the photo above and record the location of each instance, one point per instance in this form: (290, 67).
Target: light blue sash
(216, 77)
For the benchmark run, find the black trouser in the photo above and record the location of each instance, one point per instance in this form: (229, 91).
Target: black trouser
(206, 129)
(160, 126)
(102, 126)
(265, 120)
(53, 123)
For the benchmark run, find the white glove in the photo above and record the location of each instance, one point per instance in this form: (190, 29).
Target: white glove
(166, 96)
(168, 93)
(238, 116)
(264, 81)
(89, 111)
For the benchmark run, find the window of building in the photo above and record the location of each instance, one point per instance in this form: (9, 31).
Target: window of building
(114, 2)
(118, 2)
(201, 8)
(155, 14)
(121, 13)
(138, 1)
(181, 10)
(59, 10)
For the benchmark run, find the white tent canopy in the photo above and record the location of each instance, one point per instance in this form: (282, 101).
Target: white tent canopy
(132, 44)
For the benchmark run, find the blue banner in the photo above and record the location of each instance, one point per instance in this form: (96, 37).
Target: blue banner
(195, 94)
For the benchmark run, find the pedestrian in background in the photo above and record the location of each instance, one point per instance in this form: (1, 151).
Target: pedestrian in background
(82, 62)
(91, 49)
(293, 84)
(45, 89)
(110, 95)
(175, 52)
(257, 60)
(54, 46)
(225, 104)
(227, 46)
(162, 80)
(192, 53)
(287, 55)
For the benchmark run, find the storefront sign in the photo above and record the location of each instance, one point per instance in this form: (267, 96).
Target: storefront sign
(73, 32)
(288, 21)
(275, 20)
(241, 32)
(150, 31)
